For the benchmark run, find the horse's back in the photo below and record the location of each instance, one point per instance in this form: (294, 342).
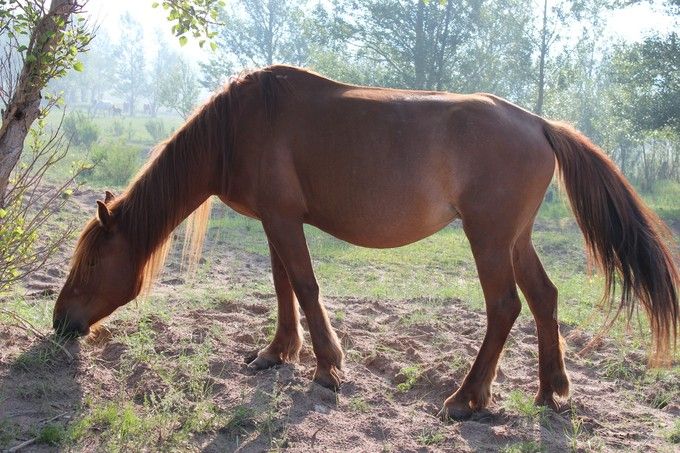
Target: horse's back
(384, 167)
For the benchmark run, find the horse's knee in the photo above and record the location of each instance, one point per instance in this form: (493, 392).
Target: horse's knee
(307, 292)
(506, 309)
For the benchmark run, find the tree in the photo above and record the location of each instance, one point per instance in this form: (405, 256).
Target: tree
(129, 65)
(256, 33)
(42, 44)
(650, 70)
(179, 88)
(95, 79)
(163, 65)
(419, 42)
(499, 57)
(40, 41)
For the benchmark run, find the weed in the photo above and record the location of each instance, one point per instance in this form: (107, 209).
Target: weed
(673, 434)
(115, 422)
(7, 432)
(340, 315)
(241, 421)
(528, 446)
(431, 437)
(51, 434)
(410, 375)
(523, 404)
(418, 317)
(358, 404)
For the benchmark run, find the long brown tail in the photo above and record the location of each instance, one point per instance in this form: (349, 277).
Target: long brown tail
(623, 235)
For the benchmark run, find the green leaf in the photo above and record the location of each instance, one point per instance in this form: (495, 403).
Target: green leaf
(3, 213)
(78, 66)
(183, 40)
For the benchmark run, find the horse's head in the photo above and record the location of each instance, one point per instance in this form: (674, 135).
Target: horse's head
(103, 275)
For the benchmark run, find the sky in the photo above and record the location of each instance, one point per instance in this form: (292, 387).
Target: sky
(630, 23)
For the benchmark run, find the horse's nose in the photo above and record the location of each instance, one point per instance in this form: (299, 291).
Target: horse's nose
(68, 327)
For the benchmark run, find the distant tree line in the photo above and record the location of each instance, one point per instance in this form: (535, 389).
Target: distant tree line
(553, 60)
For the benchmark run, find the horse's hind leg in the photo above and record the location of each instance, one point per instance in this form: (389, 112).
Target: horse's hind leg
(288, 337)
(287, 238)
(541, 296)
(493, 257)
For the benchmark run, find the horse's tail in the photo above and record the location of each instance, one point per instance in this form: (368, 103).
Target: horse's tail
(622, 234)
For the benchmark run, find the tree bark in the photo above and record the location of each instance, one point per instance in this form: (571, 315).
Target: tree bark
(24, 106)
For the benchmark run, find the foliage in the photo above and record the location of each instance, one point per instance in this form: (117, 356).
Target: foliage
(650, 70)
(81, 130)
(178, 89)
(156, 130)
(29, 205)
(44, 56)
(129, 67)
(192, 17)
(256, 33)
(115, 163)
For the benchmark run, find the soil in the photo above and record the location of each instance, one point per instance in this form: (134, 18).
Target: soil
(606, 411)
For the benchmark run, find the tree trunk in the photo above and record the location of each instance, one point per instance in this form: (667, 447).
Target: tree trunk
(541, 63)
(24, 106)
(419, 48)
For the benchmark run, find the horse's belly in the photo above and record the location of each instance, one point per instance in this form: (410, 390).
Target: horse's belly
(383, 227)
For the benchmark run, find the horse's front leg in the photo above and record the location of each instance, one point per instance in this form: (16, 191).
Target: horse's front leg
(287, 238)
(287, 341)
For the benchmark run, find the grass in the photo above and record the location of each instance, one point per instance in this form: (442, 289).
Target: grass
(673, 434)
(528, 446)
(431, 437)
(183, 403)
(358, 404)
(523, 404)
(409, 376)
(51, 434)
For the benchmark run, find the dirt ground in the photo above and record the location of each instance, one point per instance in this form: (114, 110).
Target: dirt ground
(403, 358)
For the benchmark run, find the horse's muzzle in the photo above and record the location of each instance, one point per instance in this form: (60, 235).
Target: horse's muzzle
(69, 328)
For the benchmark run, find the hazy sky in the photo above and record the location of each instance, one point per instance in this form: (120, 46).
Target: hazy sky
(630, 23)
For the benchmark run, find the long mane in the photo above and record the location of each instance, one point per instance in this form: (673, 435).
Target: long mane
(152, 204)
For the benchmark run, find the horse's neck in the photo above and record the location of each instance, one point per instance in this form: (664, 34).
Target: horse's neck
(176, 182)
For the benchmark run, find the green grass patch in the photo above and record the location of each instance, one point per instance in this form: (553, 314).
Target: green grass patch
(51, 434)
(523, 404)
(431, 437)
(409, 376)
(673, 434)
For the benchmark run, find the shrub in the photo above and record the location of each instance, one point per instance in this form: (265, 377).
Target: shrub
(156, 130)
(117, 128)
(115, 163)
(81, 130)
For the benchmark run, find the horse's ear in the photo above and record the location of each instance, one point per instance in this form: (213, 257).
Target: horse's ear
(109, 196)
(104, 215)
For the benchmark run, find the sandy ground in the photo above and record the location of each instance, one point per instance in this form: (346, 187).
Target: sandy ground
(403, 358)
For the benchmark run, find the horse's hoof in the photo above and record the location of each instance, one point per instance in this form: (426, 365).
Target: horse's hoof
(262, 362)
(331, 378)
(546, 399)
(455, 413)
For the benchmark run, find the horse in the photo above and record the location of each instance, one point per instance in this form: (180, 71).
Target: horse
(379, 168)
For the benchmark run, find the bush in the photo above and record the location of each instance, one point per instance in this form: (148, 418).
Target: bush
(117, 128)
(115, 163)
(156, 130)
(81, 130)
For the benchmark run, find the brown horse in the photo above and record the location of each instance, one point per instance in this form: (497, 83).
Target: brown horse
(379, 168)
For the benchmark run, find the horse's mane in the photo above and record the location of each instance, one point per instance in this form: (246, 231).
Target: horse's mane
(151, 205)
